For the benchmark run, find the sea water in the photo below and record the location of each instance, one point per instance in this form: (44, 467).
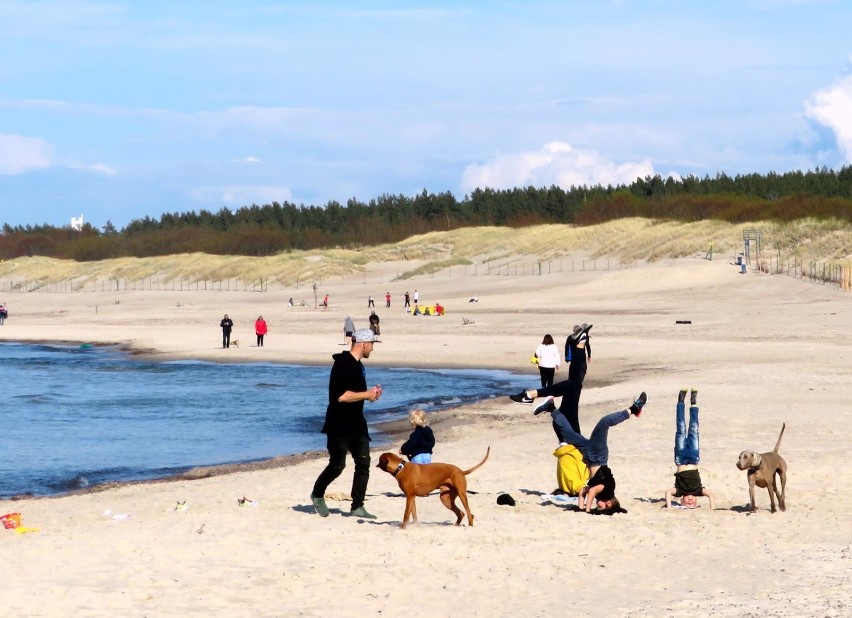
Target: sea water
(76, 416)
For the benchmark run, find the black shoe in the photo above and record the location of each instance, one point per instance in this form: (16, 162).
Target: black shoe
(521, 398)
(640, 402)
(693, 397)
(681, 396)
(547, 406)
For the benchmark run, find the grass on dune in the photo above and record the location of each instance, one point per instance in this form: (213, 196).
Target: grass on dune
(625, 239)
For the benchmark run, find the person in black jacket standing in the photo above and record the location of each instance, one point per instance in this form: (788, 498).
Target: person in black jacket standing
(418, 447)
(227, 324)
(345, 426)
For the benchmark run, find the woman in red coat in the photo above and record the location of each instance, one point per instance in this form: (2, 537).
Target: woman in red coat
(260, 330)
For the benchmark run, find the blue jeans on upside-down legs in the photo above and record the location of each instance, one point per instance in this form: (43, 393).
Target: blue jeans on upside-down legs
(686, 442)
(594, 449)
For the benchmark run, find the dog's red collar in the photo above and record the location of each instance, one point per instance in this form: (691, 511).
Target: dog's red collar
(398, 468)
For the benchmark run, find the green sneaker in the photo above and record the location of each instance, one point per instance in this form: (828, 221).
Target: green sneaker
(362, 513)
(320, 506)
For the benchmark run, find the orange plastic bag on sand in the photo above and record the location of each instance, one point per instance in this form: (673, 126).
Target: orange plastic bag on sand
(11, 520)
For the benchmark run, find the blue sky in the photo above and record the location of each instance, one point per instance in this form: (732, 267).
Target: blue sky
(120, 110)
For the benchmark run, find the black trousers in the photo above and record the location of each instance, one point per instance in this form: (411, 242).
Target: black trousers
(359, 447)
(546, 374)
(226, 339)
(260, 340)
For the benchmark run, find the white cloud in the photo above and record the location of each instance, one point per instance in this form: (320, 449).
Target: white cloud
(94, 167)
(557, 163)
(102, 169)
(832, 107)
(237, 196)
(20, 154)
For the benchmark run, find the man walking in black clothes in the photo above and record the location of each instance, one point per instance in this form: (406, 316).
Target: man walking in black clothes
(345, 426)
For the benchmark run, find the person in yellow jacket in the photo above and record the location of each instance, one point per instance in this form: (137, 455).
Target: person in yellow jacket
(572, 474)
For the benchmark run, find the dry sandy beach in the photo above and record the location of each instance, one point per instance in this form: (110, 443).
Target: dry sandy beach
(762, 350)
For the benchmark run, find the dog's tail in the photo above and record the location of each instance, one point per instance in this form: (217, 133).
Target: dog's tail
(484, 459)
(778, 444)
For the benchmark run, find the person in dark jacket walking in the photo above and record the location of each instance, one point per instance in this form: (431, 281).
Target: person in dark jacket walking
(345, 426)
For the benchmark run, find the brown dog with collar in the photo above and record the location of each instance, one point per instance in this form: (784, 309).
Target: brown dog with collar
(422, 479)
(762, 468)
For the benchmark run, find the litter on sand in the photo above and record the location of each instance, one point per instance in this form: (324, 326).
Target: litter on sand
(245, 502)
(181, 506)
(562, 499)
(11, 520)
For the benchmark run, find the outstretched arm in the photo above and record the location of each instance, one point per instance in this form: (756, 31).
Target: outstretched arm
(669, 493)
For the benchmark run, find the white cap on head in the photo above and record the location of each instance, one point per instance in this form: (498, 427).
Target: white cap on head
(364, 335)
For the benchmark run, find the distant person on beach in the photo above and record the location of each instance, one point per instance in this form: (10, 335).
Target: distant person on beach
(416, 297)
(548, 360)
(290, 302)
(348, 329)
(600, 490)
(407, 305)
(387, 300)
(374, 323)
(260, 330)
(418, 447)
(227, 324)
(439, 309)
(687, 485)
(345, 426)
(325, 302)
(4, 313)
(370, 302)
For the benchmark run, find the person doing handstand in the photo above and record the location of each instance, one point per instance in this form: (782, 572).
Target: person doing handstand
(578, 351)
(600, 489)
(567, 415)
(688, 485)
